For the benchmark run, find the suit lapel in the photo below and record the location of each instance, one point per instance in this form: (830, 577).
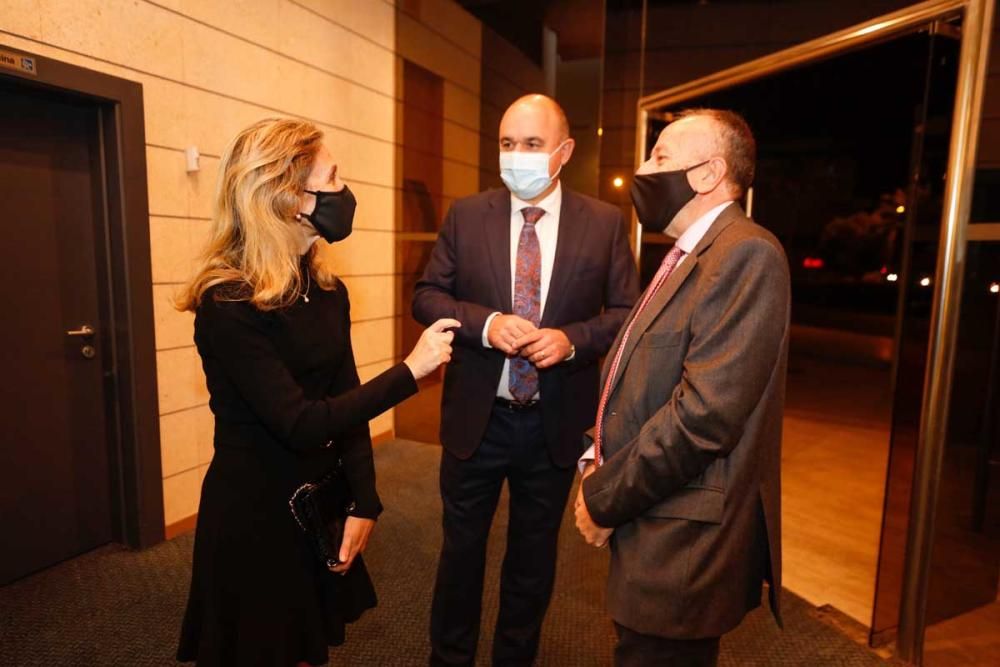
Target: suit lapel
(498, 246)
(653, 309)
(573, 222)
(669, 289)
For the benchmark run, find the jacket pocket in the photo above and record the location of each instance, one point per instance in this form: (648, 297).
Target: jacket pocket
(661, 339)
(694, 503)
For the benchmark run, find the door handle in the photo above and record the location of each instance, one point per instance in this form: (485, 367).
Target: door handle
(86, 331)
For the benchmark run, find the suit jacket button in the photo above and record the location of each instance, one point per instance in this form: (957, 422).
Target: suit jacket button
(614, 414)
(329, 443)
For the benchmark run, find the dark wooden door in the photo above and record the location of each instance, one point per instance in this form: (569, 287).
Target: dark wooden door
(55, 485)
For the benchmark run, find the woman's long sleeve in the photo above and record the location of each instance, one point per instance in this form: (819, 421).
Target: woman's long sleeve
(240, 345)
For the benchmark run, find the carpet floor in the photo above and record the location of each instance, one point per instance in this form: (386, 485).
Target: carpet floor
(119, 607)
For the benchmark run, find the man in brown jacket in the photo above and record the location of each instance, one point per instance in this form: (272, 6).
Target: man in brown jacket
(683, 480)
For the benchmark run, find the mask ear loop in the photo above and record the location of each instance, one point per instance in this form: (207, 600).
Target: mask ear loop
(559, 170)
(307, 216)
(700, 164)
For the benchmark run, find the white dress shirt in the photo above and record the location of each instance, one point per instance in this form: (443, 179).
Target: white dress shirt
(687, 242)
(547, 229)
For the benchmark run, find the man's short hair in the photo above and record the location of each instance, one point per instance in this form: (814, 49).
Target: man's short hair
(736, 142)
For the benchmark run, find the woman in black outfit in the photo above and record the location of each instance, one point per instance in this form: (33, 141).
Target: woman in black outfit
(272, 326)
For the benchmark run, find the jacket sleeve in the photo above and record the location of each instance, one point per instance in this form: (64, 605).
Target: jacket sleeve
(238, 340)
(434, 295)
(592, 338)
(737, 334)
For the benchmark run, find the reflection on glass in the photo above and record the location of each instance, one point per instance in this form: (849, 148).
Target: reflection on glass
(965, 566)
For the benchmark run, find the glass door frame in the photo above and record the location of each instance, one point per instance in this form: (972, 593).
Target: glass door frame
(977, 21)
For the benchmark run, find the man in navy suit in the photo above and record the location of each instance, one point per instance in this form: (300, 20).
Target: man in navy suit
(541, 279)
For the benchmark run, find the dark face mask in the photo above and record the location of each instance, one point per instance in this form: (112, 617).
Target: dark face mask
(333, 216)
(659, 197)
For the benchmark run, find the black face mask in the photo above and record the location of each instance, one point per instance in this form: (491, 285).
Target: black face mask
(333, 216)
(659, 197)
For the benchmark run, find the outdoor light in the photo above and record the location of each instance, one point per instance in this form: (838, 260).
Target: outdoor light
(925, 282)
(892, 277)
(900, 209)
(994, 288)
(618, 182)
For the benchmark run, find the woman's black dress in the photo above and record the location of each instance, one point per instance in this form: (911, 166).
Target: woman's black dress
(287, 402)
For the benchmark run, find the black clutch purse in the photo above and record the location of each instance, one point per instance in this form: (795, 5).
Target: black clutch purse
(321, 508)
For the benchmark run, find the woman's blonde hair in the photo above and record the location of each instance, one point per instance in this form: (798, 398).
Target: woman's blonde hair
(255, 245)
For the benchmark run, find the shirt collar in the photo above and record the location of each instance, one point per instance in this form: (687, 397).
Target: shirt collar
(690, 239)
(551, 204)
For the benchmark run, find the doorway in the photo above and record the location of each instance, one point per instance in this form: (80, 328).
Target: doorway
(53, 392)
(856, 163)
(837, 141)
(79, 435)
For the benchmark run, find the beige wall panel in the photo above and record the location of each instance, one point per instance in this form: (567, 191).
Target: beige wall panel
(212, 120)
(180, 380)
(257, 21)
(216, 61)
(373, 340)
(375, 204)
(461, 106)
(318, 96)
(363, 253)
(369, 113)
(137, 34)
(331, 47)
(173, 191)
(167, 182)
(181, 494)
(170, 249)
(361, 158)
(419, 44)
(454, 24)
(370, 371)
(461, 144)
(372, 297)
(63, 55)
(21, 17)
(384, 423)
(178, 442)
(460, 180)
(174, 247)
(201, 189)
(173, 328)
(167, 112)
(373, 19)
(191, 433)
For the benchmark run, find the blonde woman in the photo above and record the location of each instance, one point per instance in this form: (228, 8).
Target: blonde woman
(272, 327)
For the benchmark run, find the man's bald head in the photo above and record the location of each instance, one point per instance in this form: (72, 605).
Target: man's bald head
(540, 110)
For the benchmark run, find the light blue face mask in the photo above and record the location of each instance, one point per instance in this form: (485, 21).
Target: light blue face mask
(527, 174)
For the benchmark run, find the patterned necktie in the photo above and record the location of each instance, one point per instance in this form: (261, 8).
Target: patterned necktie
(523, 380)
(666, 268)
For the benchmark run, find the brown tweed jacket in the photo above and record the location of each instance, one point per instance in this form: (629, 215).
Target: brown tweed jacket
(692, 437)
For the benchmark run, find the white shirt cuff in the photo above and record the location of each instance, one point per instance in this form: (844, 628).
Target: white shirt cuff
(486, 329)
(586, 459)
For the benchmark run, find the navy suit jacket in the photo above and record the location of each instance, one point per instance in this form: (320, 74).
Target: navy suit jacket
(593, 287)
